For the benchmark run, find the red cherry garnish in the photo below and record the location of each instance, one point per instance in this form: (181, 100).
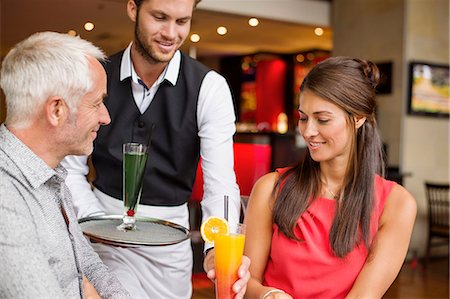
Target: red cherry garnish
(130, 213)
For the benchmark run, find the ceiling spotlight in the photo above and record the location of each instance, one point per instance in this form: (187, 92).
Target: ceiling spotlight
(222, 30)
(195, 38)
(253, 22)
(89, 26)
(72, 32)
(318, 31)
(310, 56)
(300, 58)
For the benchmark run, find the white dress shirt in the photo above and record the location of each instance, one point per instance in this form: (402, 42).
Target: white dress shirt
(216, 124)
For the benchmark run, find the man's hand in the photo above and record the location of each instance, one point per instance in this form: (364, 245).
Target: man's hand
(208, 264)
(240, 286)
(89, 291)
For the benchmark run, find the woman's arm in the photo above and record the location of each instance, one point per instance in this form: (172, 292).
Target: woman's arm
(258, 235)
(389, 248)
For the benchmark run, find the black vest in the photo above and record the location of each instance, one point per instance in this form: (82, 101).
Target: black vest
(175, 147)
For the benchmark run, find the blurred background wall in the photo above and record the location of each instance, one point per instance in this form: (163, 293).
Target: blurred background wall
(401, 31)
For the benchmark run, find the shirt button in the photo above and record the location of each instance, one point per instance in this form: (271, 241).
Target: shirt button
(141, 124)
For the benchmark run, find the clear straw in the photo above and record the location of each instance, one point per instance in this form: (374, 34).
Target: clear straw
(225, 207)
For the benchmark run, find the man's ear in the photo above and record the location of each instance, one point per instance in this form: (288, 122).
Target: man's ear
(56, 110)
(132, 10)
(359, 121)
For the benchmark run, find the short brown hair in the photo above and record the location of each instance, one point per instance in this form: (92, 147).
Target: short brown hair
(139, 2)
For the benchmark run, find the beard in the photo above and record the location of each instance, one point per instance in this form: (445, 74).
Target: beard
(145, 49)
(77, 140)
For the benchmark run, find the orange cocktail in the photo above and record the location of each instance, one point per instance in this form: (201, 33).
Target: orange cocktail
(228, 255)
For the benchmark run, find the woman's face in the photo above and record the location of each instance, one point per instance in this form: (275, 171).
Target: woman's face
(325, 128)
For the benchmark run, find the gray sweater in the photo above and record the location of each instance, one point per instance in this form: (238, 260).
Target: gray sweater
(43, 253)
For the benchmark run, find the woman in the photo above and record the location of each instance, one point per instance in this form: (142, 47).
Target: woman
(332, 226)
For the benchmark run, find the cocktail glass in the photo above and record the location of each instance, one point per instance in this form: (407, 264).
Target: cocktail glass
(135, 156)
(228, 255)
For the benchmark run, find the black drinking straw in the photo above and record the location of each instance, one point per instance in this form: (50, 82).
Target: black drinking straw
(225, 208)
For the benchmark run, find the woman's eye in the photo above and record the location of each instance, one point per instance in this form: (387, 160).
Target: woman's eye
(323, 121)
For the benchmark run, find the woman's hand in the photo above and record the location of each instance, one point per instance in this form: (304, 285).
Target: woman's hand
(276, 294)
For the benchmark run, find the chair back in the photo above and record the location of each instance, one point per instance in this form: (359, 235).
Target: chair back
(438, 207)
(244, 204)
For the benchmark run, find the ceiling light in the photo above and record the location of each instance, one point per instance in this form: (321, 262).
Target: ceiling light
(222, 30)
(195, 38)
(253, 22)
(300, 58)
(72, 32)
(318, 31)
(89, 26)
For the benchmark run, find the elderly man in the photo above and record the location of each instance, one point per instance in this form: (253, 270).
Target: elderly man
(54, 87)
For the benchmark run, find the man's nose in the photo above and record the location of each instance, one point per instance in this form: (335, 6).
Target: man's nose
(105, 119)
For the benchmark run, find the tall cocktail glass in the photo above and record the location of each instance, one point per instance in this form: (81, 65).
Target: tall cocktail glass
(135, 156)
(228, 255)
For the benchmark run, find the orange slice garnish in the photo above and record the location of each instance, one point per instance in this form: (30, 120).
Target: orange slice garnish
(213, 226)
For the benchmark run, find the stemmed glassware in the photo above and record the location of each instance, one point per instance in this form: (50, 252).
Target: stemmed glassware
(135, 156)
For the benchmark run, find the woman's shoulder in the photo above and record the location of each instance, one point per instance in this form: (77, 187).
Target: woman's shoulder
(267, 181)
(283, 170)
(402, 197)
(271, 178)
(399, 199)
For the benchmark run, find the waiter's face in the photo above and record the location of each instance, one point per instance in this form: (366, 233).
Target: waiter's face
(161, 26)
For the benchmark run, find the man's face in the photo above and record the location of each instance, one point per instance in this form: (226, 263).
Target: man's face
(161, 26)
(81, 129)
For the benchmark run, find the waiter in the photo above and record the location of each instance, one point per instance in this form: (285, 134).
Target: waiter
(151, 83)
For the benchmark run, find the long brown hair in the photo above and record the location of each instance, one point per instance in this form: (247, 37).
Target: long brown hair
(350, 84)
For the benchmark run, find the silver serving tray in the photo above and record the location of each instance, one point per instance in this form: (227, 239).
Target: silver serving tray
(150, 231)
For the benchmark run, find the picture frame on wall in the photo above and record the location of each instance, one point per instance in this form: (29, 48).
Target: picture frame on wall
(429, 91)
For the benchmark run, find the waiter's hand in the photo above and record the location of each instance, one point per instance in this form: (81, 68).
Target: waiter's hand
(208, 264)
(240, 286)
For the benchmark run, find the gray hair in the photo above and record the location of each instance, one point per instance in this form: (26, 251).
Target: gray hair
(43, 65)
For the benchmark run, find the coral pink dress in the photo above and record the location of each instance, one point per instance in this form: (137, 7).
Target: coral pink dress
(308, 269)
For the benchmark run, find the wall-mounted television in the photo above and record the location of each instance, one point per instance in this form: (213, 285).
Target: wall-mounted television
(429, 91)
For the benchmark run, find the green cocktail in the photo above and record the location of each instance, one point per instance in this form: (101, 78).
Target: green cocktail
(134, 162)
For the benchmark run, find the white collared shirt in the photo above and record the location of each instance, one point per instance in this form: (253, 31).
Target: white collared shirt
(216, 123)
(143, 95)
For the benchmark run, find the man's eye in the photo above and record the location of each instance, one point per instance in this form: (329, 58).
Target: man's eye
(182, 22)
